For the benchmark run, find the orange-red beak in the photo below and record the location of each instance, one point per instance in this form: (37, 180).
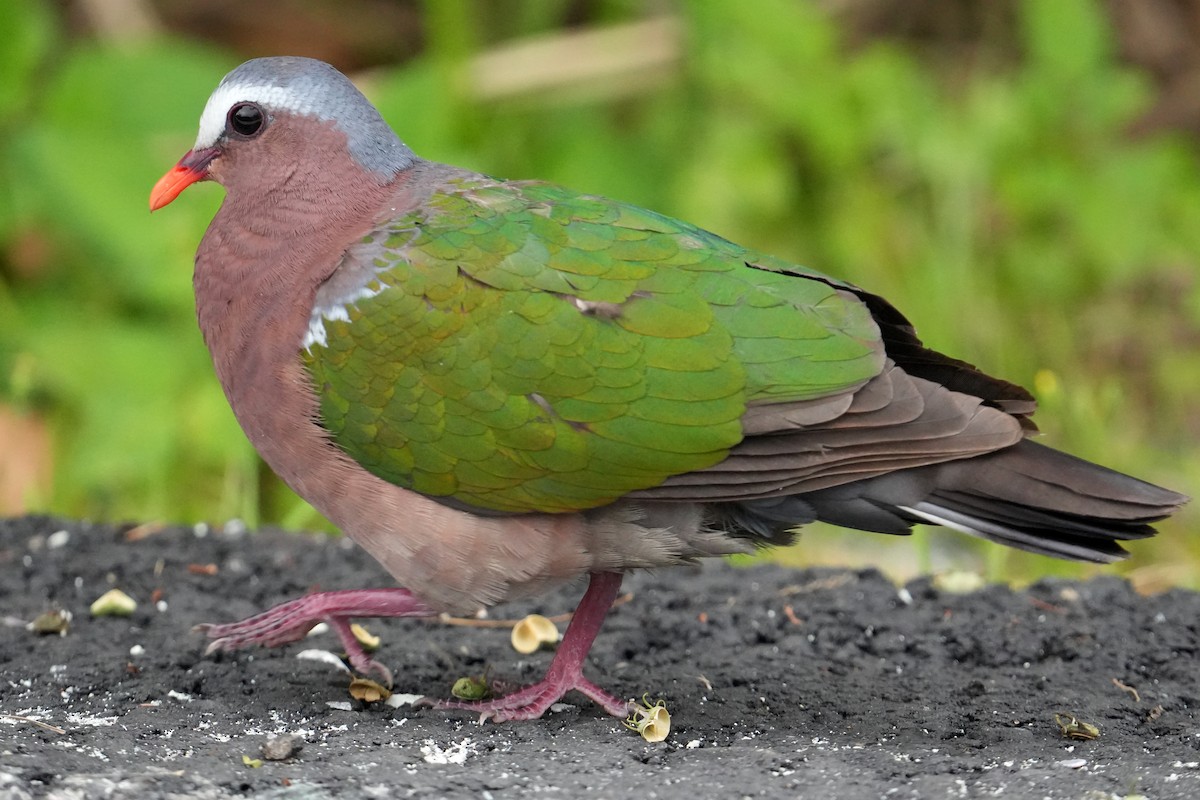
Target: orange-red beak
(191, 168)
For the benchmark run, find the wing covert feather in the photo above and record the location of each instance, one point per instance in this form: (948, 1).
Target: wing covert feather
(517, 348)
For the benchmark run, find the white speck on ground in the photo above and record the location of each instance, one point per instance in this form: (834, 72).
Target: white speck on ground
(324, 657)
(455, 753)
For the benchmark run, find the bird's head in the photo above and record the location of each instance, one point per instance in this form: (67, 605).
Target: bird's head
(275, 121)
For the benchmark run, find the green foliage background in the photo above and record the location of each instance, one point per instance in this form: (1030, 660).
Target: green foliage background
(1007, 212)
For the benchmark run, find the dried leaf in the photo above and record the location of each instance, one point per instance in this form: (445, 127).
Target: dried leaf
(368, 691)
(1072, 728)
(57, 621)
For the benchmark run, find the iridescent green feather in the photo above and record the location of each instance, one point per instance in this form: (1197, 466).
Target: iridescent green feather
(527, 349)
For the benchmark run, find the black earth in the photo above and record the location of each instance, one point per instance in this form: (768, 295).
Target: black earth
(780, 683)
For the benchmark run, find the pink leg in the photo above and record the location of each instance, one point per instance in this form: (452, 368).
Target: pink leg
(566, 670)
(290, 621)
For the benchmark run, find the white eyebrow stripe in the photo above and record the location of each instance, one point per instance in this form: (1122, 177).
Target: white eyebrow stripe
(272, 98)
(294, 87)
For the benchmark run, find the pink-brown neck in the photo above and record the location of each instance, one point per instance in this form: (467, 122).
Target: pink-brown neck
(282, 230)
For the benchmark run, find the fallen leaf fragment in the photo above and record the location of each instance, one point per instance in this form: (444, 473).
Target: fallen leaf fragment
(57, 621)
(1124, 687)
(1072, 728)
(252, 763)
(145, 529)
(113, 603)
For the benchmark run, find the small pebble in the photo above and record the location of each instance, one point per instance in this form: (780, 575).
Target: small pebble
(397, 700)
(325, 657)
(280, 748)
(1073, 763)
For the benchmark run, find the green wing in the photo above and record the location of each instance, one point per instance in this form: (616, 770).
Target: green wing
(521, 348)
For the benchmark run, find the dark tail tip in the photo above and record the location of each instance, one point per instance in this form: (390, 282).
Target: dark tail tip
(1035, 498)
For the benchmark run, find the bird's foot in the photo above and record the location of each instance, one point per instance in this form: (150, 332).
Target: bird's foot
(291, 621)
(566, 670)
(531, 702)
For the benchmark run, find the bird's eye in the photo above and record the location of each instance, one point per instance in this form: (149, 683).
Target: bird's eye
(247, 119)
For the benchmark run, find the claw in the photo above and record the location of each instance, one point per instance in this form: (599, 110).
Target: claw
(291, 621)
(371, 666)
(566, 670)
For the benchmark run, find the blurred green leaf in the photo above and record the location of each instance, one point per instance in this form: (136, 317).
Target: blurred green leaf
(86, 167)
(29, 30)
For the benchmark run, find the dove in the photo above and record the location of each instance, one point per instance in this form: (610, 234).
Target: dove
(496, 387)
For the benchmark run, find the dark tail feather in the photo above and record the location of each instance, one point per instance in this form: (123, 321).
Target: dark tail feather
(1027, 496)
(1038, 499)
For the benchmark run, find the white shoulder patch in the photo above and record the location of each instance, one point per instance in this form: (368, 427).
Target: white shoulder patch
(334, 310)
(226, 96)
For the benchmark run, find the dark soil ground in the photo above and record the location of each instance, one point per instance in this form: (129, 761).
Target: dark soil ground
(780, 684)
